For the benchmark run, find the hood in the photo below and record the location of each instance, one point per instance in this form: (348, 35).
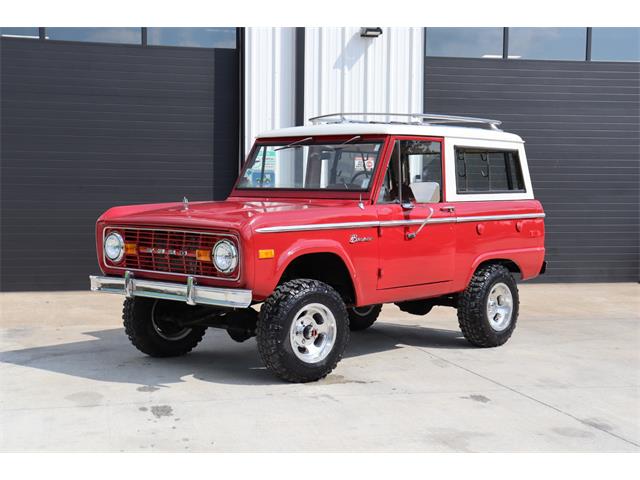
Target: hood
(228, 214)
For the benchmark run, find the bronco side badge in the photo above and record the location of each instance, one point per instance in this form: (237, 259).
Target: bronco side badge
(357, 239)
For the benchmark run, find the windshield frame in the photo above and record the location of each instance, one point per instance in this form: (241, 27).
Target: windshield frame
(315, 192)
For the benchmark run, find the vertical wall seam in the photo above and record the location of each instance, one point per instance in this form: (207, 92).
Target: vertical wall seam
(275, 59)
(387, 59)
(365, 77)
(343, 73)
(411, 72)
(299, 77)
(420, 74)
(319, 72)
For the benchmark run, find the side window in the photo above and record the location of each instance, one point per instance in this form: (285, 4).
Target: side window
(424, 167)
(415, 171)
(488, 171)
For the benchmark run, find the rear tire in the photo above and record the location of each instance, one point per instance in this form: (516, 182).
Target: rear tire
(361, 318)
(303, 329)
(488, 308)
(153, 327)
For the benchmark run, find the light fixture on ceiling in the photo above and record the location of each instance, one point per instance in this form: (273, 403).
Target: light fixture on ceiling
(491, 55)
(370, 32)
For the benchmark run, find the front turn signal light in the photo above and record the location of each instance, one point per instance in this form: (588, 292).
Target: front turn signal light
(130, 248)
(267, 253)
(203, 255)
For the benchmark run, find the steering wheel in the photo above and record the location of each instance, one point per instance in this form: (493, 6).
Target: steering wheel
(357, 174)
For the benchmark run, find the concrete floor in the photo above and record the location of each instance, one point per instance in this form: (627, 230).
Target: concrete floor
(568, 380)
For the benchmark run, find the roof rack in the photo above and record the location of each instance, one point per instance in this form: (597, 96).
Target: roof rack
(411, 119)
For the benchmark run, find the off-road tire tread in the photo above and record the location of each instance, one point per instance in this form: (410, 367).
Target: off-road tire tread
(270, 322)
(359, 322)
(138, 337)
(471, 307)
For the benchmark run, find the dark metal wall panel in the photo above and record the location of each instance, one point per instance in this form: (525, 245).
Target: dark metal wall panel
(581, 124)
(88, 126)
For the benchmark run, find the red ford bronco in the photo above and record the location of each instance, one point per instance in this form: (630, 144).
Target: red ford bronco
(325, 224)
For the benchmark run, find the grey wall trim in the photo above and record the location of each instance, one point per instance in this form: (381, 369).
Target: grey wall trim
(299, 76)
(86, 127)
(589, 40)
(581, 125)
(505, 43)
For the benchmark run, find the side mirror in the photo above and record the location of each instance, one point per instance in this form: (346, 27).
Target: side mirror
(426, 192)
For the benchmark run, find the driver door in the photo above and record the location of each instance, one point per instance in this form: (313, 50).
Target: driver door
(412, 192)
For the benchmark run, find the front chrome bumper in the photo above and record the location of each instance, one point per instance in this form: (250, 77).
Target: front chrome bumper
(190, 292)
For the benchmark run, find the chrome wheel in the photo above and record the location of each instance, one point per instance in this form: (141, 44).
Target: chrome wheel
(164, 326)
(363, 311)
(500, 307)
(313, 333)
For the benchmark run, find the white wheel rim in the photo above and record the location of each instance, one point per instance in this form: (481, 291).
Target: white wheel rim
(172, 337)
(500, 307)
(363, 311)
(313, 333)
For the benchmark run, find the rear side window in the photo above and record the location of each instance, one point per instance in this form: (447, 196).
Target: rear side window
(488, 171)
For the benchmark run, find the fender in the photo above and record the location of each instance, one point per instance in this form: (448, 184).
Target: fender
(304, 247)
(521, 257)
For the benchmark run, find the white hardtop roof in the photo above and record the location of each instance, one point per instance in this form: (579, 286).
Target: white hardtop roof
(353, 128)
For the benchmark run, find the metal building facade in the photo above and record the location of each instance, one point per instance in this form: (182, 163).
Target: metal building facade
(344, 72)
(580, 121)
(177, 120)
(581, 125)
(269, 80)
(292, 74)
(89, 126)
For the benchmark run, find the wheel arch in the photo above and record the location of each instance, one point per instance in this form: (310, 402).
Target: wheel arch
(509, 263)
(326, 263)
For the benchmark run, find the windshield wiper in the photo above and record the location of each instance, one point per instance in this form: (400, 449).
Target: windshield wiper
(338, 147)
(293, 144)
(357, 137)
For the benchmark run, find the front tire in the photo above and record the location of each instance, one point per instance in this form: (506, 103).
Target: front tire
(153, 327)
(488, 308)
(361, 318)
(303, 329)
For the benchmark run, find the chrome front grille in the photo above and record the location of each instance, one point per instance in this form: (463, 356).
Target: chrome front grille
(170, 251)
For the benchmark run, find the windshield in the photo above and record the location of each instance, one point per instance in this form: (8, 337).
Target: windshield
(307, 165)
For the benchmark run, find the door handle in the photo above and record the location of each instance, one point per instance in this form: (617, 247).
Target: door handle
(448, 208)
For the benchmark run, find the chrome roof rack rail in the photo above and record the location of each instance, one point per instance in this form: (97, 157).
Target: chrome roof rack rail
(410, 119)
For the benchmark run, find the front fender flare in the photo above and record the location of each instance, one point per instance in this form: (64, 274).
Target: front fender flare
(305, 247)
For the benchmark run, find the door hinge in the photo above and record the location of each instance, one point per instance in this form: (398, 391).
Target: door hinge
(379, 273)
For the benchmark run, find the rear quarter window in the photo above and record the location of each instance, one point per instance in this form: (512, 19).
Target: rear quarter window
(488, 171)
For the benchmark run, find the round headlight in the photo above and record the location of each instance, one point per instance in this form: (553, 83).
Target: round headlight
(114, 247)
(225, 256)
